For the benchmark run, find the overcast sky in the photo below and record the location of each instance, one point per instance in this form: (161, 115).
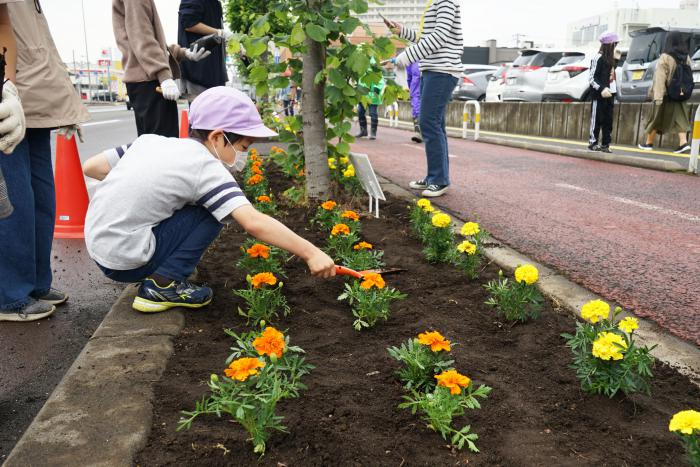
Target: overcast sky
(541, 21)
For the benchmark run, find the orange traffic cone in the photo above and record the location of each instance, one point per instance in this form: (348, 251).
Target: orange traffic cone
(71, 192)
(184, 125)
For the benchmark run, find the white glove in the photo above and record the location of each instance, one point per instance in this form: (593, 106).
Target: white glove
(605, 93)
(12, 122)
(69, 131)
(196, 54)
(227, 35)
(402, 60)
(170, 90)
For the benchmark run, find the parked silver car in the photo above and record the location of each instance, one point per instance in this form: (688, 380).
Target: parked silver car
(526, 78)
(474, 81)
(638, 71)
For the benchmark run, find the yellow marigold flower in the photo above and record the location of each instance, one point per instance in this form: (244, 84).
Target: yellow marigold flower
(685, 422)
(363, 246)
(423, 203)
(259, 250)
(270, 342)
(352, 215)
(609, 346)
(329, 205)
(628, 325)
(526, 273)
(467, 247)
(469, 229)
(349, 172)
(331, 163)
(264, 199)
(441, 220)
(344, 160)
(435, 340)
(255, 179)
(262, 278)
(340, 229)
(242, 368)
(253, 157)
(253, 152)
(595, 310)
(453, 380)
(428, 209)
(372, 280)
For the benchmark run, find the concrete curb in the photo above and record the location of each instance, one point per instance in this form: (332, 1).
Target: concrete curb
(100, 413)
(633, 161)
(677, 353)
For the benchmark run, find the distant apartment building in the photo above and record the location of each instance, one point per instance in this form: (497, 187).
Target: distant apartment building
(585, 32)
(406, 12)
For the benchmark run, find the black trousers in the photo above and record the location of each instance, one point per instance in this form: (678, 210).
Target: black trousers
(154, 114)
(602, 120)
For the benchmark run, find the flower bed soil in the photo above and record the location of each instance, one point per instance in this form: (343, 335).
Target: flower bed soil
(536, 414)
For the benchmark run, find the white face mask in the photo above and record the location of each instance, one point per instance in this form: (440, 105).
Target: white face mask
(238, 163)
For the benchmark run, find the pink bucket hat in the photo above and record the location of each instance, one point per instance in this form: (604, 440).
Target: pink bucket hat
(609, 38)
(230, 110)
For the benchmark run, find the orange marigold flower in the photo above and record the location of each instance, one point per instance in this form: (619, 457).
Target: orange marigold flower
(264, 199)
(363, 246)
(242, 368)
(453, 380)
(255, 179)
(253, 157)
(301, 173)
(259, 250)
(372, 280)
(352, 215)
(263, 278)
(340, 229)
(270, 342)
(435, 340)
(329, 205)
(256, 170)
(257, 163)
(254, 152)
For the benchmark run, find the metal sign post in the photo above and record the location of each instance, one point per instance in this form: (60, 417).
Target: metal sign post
(368, 179)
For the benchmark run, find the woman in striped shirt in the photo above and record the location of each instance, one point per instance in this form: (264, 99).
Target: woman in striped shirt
(438, 46)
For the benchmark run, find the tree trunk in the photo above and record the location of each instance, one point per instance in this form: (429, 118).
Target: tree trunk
(318, 177)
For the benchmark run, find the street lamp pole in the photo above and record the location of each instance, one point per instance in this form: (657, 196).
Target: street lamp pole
(87, 57)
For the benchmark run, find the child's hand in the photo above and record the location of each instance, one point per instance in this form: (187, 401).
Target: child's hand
(321, 265)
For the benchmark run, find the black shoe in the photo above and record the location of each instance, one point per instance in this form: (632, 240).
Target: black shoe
(418, 184)
(32, 311)
(417, 138)
(361, 134)
(373, 135)
(152, 298)
(646, 147)
(682, 148)
(434, 191)
(594, 147)
(605, 149)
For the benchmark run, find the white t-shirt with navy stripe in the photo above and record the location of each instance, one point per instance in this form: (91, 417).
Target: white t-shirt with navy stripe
(440, 46)
(150, 180)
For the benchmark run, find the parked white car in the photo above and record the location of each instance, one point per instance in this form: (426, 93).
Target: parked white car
(526, 78)
(568, 79)
(497, 83)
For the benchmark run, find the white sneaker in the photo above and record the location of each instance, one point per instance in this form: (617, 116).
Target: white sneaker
(434, 191)
(418, 184)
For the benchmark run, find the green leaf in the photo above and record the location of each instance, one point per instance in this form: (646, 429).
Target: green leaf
(358, 62)
(297, 36)
(258, 73)
(337, 78)
(350, 24)
(359, 6)
(260, 26)
(255, 47)
(316, 32)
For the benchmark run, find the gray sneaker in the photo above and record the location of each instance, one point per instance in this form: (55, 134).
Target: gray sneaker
(433, 191)
(32, 311)
(54, 297)
(418, 184)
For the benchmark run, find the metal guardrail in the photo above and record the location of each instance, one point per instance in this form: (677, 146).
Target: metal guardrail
(695, 146)
(466, 118)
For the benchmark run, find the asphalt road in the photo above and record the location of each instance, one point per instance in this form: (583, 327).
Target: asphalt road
(36, 355)
(631, 235)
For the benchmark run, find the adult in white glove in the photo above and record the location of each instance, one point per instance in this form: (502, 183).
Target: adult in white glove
(170, 90)
(606, 94)
(12, 121)
(225, 34)
(196, 53)
(402, 60)
(69, 131)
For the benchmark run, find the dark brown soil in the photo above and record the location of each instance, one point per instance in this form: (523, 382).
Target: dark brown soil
(536, 414)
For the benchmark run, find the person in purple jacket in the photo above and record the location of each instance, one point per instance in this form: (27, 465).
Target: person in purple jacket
(413, 78)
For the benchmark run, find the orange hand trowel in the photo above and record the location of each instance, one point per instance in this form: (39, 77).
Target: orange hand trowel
(343, 271)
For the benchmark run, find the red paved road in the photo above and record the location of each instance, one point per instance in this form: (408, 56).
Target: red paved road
(631, 235)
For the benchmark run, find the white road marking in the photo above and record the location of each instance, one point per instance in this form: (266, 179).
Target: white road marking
(422, 149)
(99, 110)
(631, 202)
(103, 122)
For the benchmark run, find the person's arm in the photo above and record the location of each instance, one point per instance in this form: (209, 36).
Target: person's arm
(660, 78)
(203, 29)
(138, 21)
(593, 74)
(428, 44)
(100, 165)
(272, 231)
(7, 40)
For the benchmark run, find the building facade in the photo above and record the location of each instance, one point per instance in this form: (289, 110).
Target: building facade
(585, 32)
(406, 12)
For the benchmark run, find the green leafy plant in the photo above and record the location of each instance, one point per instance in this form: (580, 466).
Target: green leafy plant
(449, 399)
(517, 300)
(686, 424)
(262, 370)
(438, 239)
(265, 204)
(264, 298)
(259, 257)
(420, 214)
(422, 357)
(467, 258)
(295, 195)
(606, 357)
(370, 300)
(341, 241)
(326, 215)
(362, 257)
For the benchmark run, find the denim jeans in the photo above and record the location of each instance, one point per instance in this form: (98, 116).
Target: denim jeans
(435, 93)
(373, 115)
(27, 234)
(181, 241)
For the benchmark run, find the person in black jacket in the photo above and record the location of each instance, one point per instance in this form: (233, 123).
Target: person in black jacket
(196, 19)
(602, 78)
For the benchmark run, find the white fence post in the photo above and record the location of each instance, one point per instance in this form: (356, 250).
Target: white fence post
(477, 119)
(695, 147)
